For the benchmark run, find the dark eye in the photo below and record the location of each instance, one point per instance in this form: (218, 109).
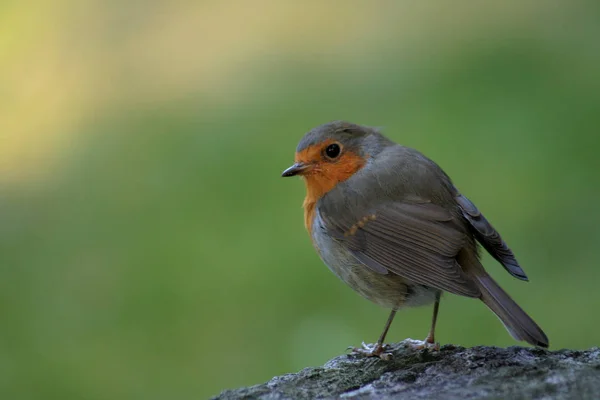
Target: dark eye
(333, 150)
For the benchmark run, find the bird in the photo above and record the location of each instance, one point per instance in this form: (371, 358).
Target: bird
(390, 223)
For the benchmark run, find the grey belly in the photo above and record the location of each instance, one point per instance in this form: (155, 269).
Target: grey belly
(390, 290)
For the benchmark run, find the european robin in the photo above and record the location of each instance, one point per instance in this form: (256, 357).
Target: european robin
(391, 224)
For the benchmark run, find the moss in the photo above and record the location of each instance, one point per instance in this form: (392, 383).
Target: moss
(451, 373)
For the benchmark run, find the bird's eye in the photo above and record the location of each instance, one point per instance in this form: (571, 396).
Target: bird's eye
(333, 150)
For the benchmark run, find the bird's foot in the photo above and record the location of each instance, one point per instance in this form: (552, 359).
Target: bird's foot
(429, 344)
(373, 350)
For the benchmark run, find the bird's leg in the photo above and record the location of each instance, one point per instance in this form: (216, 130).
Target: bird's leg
(429, 341)
(378, 349)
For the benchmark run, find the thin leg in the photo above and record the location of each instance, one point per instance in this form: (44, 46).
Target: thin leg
(429, 342)
(378, 349)
(386, 328)
(436, 307)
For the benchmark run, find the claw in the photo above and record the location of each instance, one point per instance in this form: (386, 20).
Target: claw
(373, 350)
(427, 344)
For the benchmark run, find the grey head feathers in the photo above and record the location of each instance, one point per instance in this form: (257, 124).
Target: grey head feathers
(362, 140)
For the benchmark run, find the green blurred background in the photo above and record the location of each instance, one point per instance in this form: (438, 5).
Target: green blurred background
(149, 248)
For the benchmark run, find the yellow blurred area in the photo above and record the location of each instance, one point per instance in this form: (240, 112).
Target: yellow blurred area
(63, 62)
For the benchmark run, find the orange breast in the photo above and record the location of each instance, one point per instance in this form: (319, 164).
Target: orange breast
(324, 176)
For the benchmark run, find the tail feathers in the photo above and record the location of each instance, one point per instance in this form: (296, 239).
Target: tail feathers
(516, 321)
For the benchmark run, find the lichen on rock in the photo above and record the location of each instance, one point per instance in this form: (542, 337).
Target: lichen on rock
(450, 373)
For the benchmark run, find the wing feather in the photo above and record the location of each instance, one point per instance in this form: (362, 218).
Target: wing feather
(489, 238)
(418, 241)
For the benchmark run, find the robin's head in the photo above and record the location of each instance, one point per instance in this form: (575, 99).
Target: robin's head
(332, 153)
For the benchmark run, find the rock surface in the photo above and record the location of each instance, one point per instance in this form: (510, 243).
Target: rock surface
(450, 373)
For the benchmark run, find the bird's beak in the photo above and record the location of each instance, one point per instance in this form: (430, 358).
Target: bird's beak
(296, 169)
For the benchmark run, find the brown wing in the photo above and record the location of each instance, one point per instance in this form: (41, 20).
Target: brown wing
(416, 241)
(489, 238)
